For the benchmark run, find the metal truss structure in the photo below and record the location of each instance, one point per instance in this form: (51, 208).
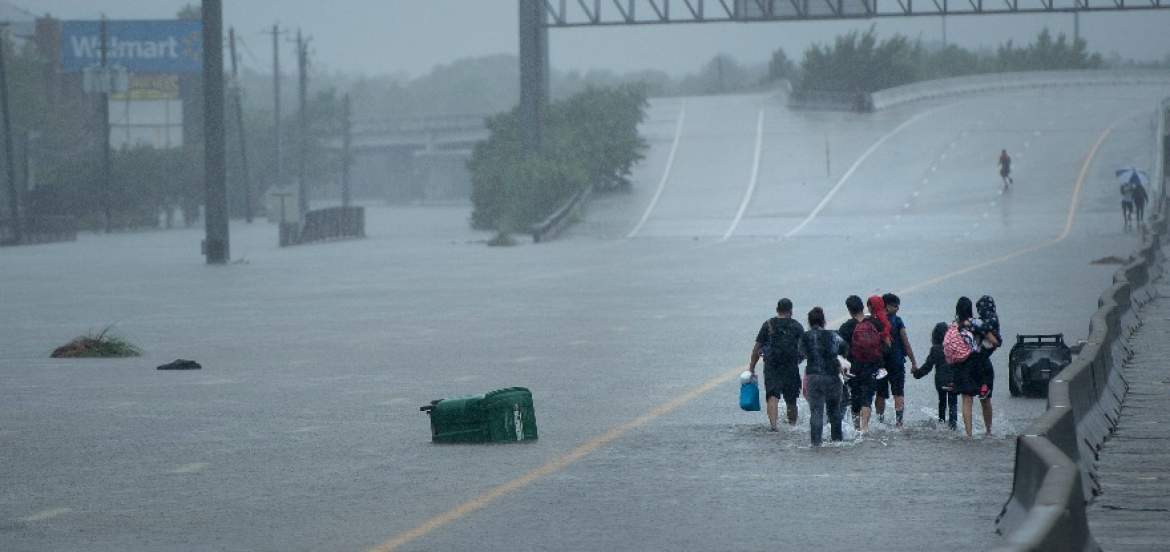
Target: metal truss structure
(593, 13)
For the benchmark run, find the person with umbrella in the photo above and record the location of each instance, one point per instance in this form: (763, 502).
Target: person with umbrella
(1133, 193)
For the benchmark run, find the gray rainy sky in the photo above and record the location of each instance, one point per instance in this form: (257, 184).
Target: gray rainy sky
(410, 36)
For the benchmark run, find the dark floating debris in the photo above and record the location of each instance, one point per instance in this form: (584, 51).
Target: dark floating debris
(1112, 259)
(181, 364)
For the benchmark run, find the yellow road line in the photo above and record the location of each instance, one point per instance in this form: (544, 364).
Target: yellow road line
(620, 430)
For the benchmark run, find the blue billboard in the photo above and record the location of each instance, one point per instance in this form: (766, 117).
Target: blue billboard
(162, 46)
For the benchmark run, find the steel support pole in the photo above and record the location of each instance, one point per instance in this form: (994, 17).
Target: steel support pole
(534, 77)
(215, 246)
(238, 100)
(9, 158)
(346, 139)
(302, 134)
(276, 135)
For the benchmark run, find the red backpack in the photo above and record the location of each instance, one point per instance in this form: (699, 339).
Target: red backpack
(866, 344)
(955, 347)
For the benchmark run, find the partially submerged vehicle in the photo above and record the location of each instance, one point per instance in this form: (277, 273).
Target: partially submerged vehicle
(1034, 360)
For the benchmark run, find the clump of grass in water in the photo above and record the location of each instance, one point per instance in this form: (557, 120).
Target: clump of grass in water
(503, 239)
(102, 345)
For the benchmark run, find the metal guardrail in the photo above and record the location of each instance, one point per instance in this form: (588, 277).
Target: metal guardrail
(828, 100)
(550, 227)
(992, 82)
(1055, 466)
(40, 229)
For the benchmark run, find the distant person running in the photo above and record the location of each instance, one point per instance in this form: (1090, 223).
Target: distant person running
(777, 341)
(895, 382)
(1140, 198)
(1005, 168)
(864, 336)
(822, 374)
(944, 377)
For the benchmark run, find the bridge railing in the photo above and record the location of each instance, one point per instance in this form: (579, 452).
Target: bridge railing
(995, 82)
(548, 228)
(1055, 466)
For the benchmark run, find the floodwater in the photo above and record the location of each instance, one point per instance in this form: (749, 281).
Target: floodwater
(302, 431)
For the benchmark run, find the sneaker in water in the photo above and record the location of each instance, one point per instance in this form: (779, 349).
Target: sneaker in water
(881, 418)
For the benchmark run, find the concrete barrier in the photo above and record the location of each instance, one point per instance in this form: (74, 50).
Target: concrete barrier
(997, 82)
(39, 229)
(1056, 456)
(331, 223)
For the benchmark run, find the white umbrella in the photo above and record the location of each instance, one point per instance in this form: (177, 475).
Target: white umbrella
(1132, 176)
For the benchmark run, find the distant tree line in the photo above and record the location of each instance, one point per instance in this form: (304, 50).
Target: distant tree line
(589, 139)
(858, 62)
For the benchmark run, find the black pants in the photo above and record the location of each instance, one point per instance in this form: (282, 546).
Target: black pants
(824, 392)
(948, 403)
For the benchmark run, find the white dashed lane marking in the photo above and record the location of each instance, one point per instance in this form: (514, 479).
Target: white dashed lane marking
(45, 514)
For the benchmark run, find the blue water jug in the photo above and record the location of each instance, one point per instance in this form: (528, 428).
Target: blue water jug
(749, 395)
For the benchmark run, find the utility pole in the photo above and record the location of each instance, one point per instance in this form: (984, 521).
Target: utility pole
(9, 159)
(276, 135)
(302, 139)
(944, 31)
(1076, 28)
(346, 140)
(215, 246)
(239, 101)
(104, 110)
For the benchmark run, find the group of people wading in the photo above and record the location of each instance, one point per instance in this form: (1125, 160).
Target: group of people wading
(863, 363)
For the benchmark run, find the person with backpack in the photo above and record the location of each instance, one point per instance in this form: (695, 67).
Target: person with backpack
(777, 341)
(944, 377)
(820, 348)
(959, 346)
(864, 336)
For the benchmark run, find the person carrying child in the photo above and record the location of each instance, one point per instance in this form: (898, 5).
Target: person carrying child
(944, 377)
(988, 337)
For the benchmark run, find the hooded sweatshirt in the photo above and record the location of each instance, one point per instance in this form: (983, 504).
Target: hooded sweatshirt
(877, 308)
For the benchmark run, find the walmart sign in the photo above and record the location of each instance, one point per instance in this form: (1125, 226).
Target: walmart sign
(164, 46)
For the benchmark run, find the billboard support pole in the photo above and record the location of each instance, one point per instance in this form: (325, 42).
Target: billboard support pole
(9, 159)
(215, 246)
(104, 109)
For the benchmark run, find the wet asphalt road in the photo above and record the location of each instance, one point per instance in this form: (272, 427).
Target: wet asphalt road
(302, 431)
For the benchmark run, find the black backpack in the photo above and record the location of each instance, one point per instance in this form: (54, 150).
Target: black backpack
(783, 336)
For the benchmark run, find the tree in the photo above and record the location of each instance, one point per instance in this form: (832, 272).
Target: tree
(780, 67)
(591, 139)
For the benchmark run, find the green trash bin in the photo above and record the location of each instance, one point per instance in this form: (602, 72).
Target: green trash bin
(500, 416)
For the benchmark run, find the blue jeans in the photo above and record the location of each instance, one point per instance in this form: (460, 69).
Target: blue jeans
(824, 392)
